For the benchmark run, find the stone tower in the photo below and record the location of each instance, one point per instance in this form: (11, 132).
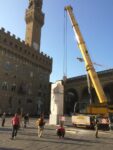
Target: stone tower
(34, 22)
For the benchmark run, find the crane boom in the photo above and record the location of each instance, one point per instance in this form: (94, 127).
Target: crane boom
(88, 63)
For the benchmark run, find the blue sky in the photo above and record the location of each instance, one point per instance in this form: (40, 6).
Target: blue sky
(95, 19)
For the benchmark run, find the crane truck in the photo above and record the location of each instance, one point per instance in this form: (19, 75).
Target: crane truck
(92, 109)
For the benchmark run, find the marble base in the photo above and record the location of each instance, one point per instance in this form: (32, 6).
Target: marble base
(54, 119)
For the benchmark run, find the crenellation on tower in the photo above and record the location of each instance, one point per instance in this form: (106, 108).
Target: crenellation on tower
(2, 29)
(15, 44)
(8, 33)
(18, 39)
(14, 36)
(23, 42)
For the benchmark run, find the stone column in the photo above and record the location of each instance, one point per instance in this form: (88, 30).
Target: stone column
(57, 98)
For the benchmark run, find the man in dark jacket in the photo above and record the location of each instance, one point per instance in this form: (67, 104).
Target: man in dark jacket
(96, 127)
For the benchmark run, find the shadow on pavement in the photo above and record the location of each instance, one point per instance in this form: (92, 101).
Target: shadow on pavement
(28, 127)
(49, 135)
(59, 141)
(106, 138)
(46, 128)
(28, 133)
(80, 140)
(5, 129)
(2, 148)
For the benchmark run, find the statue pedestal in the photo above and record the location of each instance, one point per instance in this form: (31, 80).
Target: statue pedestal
(54, 119)
(57, 98)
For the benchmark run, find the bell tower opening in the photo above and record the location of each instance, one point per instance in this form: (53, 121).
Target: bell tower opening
(34, 18)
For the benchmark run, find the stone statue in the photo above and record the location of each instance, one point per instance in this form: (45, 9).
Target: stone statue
(57, 93)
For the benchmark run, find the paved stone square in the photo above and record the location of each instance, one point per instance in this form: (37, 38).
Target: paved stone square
(75, 139)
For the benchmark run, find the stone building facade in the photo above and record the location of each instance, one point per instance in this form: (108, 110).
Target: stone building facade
(76, 90)
(24, 70)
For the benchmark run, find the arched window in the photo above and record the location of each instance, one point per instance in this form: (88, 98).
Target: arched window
(13, 88)
(4, 85)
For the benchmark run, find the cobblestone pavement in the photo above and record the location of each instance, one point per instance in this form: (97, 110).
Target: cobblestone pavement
(75, 139)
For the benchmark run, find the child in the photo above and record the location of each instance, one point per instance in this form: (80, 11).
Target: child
(61, 131)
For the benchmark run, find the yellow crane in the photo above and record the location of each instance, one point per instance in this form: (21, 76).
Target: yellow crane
(102, 107)
(88, 63)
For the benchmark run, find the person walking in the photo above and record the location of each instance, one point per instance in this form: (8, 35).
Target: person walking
(61, 131)
(41, 123)
(26, 120)
(3, 119)
(15, 125)
(96, 127)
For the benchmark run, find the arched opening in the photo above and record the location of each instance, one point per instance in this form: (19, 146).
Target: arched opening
(109, 92)
(89, 98)
(108, 89)
(85, 98)
(70, 99)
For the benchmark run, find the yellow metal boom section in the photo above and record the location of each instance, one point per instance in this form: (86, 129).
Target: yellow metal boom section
(88, 63)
